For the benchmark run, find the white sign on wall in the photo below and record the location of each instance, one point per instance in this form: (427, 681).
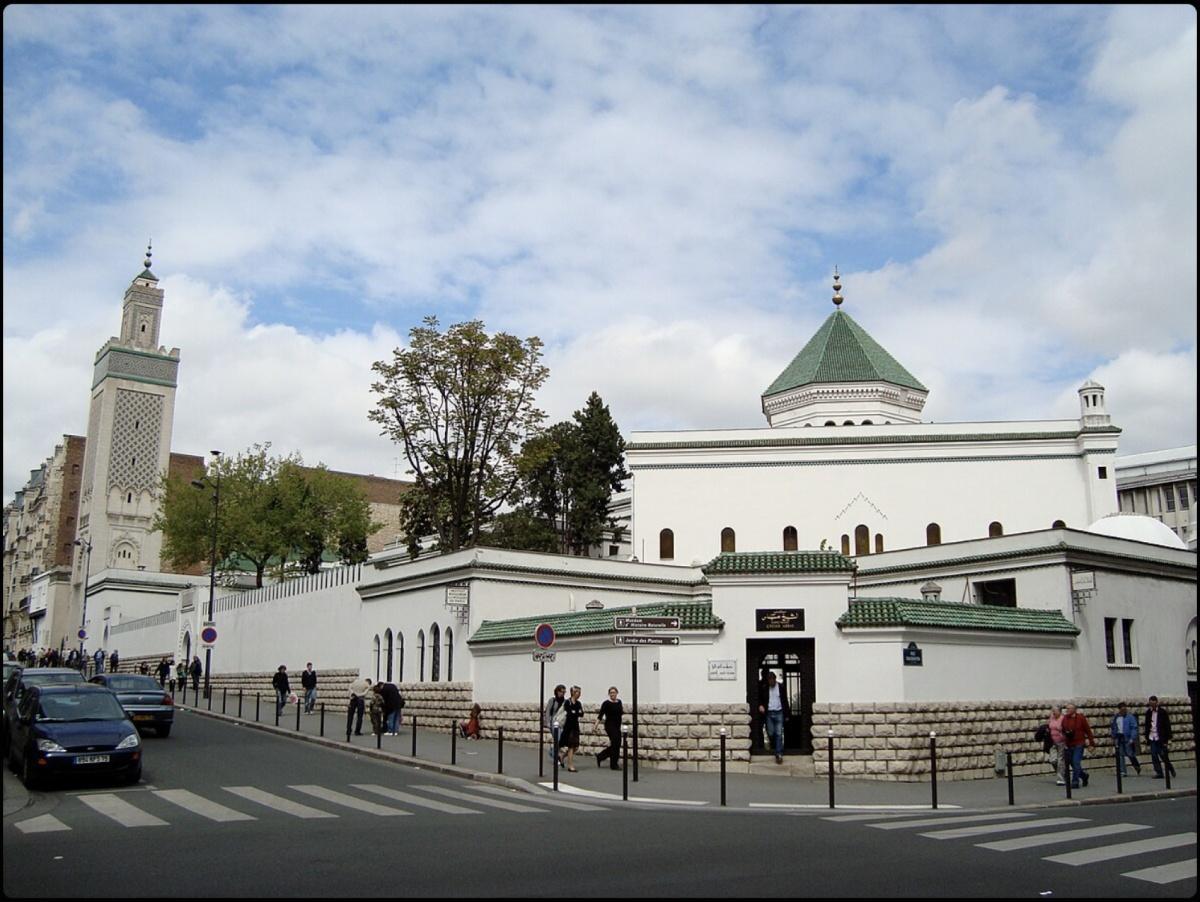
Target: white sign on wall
(1083, 581)
(722, 670)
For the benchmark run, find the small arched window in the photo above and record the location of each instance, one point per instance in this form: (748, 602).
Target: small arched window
(728, 541)
(399, 656)
(995, 529)
(387, 641)
(848, 423)
(862, 540)
(878, 543)
(830, 423)
(789, 538)
(933, 534)
(449, 654)
(377, 657)
(1058, 524)
(435, 638)
(666, 545)
(867, 423)
(421, 656)
(845, 545)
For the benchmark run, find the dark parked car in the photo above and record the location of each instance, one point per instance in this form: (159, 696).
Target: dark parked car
(19, 682)
(146, 703)
(73, 731)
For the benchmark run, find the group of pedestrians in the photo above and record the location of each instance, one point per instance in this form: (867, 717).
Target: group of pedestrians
(1066, 734)
(382, 702)
(563, 717)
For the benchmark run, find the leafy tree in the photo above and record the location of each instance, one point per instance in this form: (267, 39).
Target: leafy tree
(460, 402)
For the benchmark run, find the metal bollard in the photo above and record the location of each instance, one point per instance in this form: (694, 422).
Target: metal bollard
(933, 765)
(224, 697)
(379, 737)
(209, 694)
(722, 767)
(1067, 768)
(241, 693)
(625, 768)
(453, 742)
(256, 711)
(349, 719)
(831, 768)
(276, 709)
(414, 745)
(1008, 768)
(554, 751)
(297, 715)
(322, 719)
(500, 749)
(1120, 748)
(1167, 766)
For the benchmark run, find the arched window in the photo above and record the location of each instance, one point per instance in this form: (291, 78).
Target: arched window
(868, 423)
(845, 545)
(848, 423)
(387, 641)
(862, 540)
(435, 638)
(666, 545)
(421, 656)
(933, 534)
(789, 538)
(728, 540)
(995, 529)
(1058, 524)
(878, 543)
(830, 423)
(399, 656)
(377, 657)
(449, 654)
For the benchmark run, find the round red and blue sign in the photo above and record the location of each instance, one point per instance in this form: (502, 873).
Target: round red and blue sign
(208, 634)
(544, 635)
(82, 634)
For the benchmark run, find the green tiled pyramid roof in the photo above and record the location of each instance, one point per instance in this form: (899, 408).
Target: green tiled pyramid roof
(842, 351)
(692, 616)
(778, 562)
(950, 615)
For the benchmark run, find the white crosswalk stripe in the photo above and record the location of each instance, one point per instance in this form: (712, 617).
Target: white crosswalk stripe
(189, 801)
(46, 823)
(475, 800)
(984, 829)
(1059, 836)
(953, 819)
(444, 807)
(278, 803)
(340, 798)
(541, 800)
(1123, 850)
(121, 811)
(1166, 873)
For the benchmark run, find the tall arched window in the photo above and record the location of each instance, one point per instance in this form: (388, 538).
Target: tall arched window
(845, 545)
(421, 656)
(862, 540)
(435, 638)
(387, 641)
(449, 654)
(728, 540)
(789, 538)
(666, 545)
(1058, 524)
(878, 543)
(377, 657)
(995, 529)
(399, 656)
(933, 534)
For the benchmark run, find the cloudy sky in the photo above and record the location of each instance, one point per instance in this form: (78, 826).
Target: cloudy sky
(660, 194)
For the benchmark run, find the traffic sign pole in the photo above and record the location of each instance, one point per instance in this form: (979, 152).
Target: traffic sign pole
(542, 726)
(633, 652)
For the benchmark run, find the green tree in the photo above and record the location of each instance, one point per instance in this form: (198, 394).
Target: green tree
(460, 403)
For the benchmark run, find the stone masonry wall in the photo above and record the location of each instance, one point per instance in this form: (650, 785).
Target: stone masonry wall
(890, 741)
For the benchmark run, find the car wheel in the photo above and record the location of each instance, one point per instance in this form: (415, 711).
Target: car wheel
(164, 732)
(28, 776)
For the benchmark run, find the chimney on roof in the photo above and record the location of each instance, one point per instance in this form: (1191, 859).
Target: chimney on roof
(931, 591)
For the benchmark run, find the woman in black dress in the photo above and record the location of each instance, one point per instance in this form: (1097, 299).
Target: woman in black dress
(570, 733)
(611, 713)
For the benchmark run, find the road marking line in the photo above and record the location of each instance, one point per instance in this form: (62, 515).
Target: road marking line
(1046, 839)
(279, 803)
(956, 819)
(540, 800)
(45, 823)
(340, 798)
(445, 807)
(475, 800)
(1121, 850)
(189, 801)
(121, 811)
(1003, 828)
(612, 797)
(848, 818)
(1166, 873)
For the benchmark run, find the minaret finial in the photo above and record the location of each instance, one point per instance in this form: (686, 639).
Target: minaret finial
(148, 246)
(837, 288)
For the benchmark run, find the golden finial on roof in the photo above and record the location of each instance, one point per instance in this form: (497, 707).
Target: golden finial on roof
(837, 288)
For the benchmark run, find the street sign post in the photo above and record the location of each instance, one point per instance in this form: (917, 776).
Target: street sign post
(544, 637)
(208, 636)
(646, 623)
(636, 623)
(645, 640)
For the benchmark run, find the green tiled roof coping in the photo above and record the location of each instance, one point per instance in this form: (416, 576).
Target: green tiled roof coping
(842, 351)
(692, 616)
(874, 612)
(779, 562)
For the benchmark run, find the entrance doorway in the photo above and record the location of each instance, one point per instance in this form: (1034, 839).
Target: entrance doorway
(794, 663)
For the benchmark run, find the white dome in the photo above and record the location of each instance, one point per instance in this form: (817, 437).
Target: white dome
(1138, 528)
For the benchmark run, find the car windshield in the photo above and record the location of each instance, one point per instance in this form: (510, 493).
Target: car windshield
(80, 706)
(52, 679)
(133, 683)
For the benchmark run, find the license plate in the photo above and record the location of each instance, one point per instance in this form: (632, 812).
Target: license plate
(91, 759)
(143, 717)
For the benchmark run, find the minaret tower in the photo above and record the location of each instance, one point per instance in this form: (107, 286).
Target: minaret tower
(128, 437)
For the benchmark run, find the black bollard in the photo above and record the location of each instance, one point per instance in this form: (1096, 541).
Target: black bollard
(555, 753)
(349, 719)
(414, 728)
(933, 765)
(256, 711)
(185, 692)
(831, 768)
(297, 715)
(500, 749)
(322, 719)
(1168, 768)
(625, 768)
(453, 742)
(379, 737)
(276, 709)
(1067, 768)
(224, 697)
(241, 693)
(209, 694)
(722, 767)
(1120, 747)
(1008, 768)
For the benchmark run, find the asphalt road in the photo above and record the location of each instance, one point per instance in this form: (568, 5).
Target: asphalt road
(225, 811)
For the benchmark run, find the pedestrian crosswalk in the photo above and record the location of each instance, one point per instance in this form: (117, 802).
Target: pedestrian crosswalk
(153, 807)
(1038, 833)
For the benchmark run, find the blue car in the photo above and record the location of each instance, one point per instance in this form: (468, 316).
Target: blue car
(70, 731)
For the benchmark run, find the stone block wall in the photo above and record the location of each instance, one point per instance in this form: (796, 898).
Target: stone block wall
(890, 741)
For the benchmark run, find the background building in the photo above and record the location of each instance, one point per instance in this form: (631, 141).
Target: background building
(1162, 485)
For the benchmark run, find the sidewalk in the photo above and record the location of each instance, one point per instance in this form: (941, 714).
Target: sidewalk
(477, 760)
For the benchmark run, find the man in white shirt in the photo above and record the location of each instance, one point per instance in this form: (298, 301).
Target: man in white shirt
(773, 706)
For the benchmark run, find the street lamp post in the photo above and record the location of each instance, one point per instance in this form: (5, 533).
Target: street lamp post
(212, 573)
(86, 545)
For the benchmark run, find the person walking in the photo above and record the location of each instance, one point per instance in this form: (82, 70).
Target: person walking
(114, 661)
(1058, 749)
(98, 658)
(358, 698)
(773, 705)
(197, 669)
(553, 718)
(308, 679)
(282, 688)
(1077, 731)
(1158, 733)
(610, 716)
(1125, 738)
(570, 731)
(181, 674)
(392, 702)
(163, 671)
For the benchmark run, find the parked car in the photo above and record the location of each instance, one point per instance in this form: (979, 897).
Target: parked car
(146, 703)
(19, 682)
(73, 731)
